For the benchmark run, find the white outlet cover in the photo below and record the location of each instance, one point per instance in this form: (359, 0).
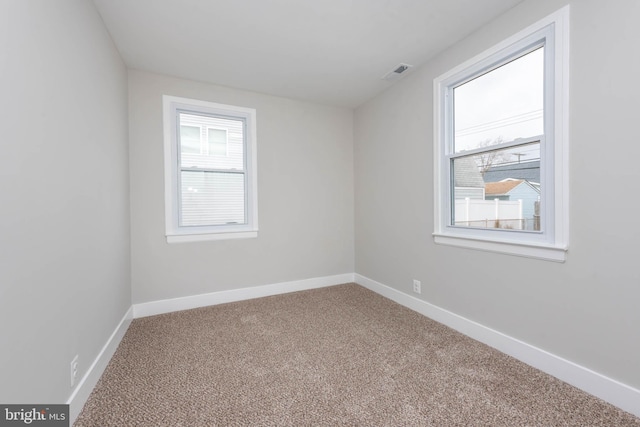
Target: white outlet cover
(74, 370)
(417, 288)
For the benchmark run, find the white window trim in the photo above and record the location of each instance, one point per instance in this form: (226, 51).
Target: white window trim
(553, 244)
(176, 234)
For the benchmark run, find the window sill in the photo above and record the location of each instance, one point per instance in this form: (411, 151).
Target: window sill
(527, 250)
(185, 238)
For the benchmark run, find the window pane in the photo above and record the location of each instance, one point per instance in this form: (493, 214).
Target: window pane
(212, 198)
(501, 105)
(217, 142)
(234, 146)
(190, 139)
(498, 189)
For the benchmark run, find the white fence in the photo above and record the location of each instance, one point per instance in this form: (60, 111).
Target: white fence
(489, 213)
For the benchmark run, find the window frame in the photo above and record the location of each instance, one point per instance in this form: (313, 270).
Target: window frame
(552, 242)
(174, 232)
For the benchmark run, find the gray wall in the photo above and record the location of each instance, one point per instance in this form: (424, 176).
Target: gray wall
(64, 221)
(585, 310)
(64, 169)
(305, 196)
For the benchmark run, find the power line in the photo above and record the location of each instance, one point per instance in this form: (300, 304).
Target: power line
(503, 119)
(495, 124)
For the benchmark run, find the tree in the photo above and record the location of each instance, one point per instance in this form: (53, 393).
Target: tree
(488, 159)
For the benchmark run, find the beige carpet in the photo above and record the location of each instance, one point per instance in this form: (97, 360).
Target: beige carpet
(334, 356)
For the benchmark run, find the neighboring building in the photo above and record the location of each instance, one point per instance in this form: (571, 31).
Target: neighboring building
(528, 171)
(516, 189)
(468, 180)
(471, 209)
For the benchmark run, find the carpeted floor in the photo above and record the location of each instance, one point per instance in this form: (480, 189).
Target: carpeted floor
(334, 356)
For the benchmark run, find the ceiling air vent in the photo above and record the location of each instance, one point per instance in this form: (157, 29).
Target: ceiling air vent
(396, 72)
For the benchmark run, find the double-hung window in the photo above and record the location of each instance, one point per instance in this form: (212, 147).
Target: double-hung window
(501, 146)
(210, 170)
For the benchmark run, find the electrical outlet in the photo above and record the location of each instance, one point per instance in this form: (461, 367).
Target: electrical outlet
(417, 286)
(74, 370)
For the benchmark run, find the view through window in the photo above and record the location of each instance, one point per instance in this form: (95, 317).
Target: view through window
(212, 174)
(497, 138)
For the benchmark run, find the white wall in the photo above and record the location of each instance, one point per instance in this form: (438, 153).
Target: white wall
(584, 310)
(64, 216)
(305, 196)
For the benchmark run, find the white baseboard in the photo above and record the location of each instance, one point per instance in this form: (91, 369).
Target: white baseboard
(607, 389)
(85, 386)
(221, 297)
(610, 390)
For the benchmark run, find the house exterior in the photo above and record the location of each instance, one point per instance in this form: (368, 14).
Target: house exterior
(528, 171)
(211, 178)
(468, 180)
(517, 189)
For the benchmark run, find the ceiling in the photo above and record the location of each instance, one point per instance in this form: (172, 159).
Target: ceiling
(326, 51)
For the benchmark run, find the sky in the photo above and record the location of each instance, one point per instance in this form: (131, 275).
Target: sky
(501, 105)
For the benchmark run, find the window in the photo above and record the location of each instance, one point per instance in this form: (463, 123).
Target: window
(210, 170)
(500, 149)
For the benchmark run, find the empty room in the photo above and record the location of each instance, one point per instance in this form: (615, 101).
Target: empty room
(341, 212)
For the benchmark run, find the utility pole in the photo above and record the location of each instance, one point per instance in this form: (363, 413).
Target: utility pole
(519, 155)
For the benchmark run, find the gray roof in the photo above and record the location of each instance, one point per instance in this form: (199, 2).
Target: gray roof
(528, 171)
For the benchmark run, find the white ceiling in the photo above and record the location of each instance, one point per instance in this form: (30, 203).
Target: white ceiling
(326, 51)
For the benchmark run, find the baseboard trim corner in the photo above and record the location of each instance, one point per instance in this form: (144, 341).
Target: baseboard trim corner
(221, 297)
(594, 383)
(85, 386)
